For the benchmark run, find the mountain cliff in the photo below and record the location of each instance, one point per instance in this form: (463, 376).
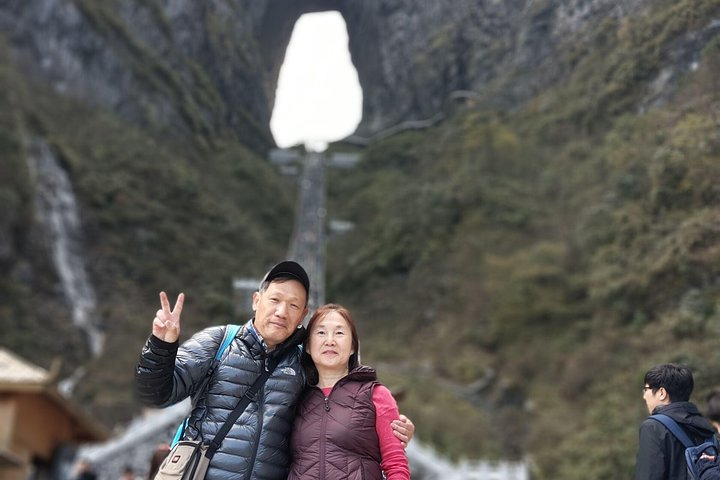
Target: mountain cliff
(518, 265)
(213, 66)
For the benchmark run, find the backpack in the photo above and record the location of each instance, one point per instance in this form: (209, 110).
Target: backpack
(692, 451)
(230, 333)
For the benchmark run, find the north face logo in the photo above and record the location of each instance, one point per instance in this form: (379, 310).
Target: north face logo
(288, 371)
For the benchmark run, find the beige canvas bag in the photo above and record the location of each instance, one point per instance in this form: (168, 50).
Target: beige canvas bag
(186, 461)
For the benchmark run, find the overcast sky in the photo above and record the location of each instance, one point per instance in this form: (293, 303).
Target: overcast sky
(318, 98)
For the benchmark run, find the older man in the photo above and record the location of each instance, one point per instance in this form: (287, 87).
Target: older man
(257, 445)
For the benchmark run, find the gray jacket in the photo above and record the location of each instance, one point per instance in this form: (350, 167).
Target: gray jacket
(257, 446)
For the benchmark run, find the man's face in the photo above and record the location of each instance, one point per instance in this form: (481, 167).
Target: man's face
(656, 398)
(279, 310)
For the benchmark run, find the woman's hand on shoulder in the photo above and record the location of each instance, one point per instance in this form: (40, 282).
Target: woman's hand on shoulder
(404, 429)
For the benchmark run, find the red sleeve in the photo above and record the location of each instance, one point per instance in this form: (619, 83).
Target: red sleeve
(393, 460)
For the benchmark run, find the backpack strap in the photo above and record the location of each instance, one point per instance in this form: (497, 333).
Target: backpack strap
(249, 396)
(230, 334)
(676, 430)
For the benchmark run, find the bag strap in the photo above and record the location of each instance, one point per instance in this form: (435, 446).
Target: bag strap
(229, 335)
(250, 395)
(673, 426)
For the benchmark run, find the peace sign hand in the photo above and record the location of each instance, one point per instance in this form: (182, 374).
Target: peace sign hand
(166, 324)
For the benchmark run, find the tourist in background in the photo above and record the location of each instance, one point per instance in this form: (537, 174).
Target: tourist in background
(157, 458)
(84, 470)
(660, 455)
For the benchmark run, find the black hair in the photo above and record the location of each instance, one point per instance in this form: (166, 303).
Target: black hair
(282, 278)
(161, 451)
(712, 405)
(676, 379)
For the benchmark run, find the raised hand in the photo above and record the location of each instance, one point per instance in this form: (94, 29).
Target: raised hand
(166, 324)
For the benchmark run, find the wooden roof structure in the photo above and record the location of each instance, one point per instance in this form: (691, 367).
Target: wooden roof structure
(35, 418)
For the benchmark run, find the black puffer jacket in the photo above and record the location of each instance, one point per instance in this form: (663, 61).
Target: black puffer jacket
(257, 446)
(660, 455)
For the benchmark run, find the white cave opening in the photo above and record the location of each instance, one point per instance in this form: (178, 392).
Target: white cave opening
(318, 98)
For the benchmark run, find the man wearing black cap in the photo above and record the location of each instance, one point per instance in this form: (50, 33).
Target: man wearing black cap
(280, 304)
(256, 447)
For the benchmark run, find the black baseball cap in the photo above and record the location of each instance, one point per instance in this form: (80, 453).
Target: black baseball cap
(291, 269)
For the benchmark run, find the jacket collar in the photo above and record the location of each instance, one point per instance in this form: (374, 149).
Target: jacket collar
(256, 344)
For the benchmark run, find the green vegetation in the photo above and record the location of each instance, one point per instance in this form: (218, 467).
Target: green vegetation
(158, 212)
(534, 265)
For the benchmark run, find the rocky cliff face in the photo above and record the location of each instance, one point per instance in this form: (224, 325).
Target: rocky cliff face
(180, 64)
(210, 67)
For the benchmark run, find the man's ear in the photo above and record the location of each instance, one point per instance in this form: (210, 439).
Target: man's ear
(255, 300)
(664, 395)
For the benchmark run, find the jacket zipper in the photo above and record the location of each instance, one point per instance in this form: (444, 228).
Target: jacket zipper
(323, 429)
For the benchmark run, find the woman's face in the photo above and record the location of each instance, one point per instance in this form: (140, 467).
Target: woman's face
(330, 344)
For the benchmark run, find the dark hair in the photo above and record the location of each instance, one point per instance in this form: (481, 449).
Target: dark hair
(676, 379)
(159, 454)
(307, 362)
(712, 405)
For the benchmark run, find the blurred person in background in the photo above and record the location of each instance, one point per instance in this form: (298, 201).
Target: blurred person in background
(712, 408)
(84, 470)
(157, 458)
(128, 474)
(660, 455)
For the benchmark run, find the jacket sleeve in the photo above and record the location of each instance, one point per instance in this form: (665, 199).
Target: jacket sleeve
(167, 374)
(651, 461)
(393, 460)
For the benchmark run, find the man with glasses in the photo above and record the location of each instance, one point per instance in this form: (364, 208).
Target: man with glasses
(660, 455)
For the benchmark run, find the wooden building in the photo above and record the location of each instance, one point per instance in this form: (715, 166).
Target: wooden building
(36, 420)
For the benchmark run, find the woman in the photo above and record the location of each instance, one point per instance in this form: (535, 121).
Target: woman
(342, 427)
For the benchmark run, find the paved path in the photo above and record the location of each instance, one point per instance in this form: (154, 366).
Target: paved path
(307, 245)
